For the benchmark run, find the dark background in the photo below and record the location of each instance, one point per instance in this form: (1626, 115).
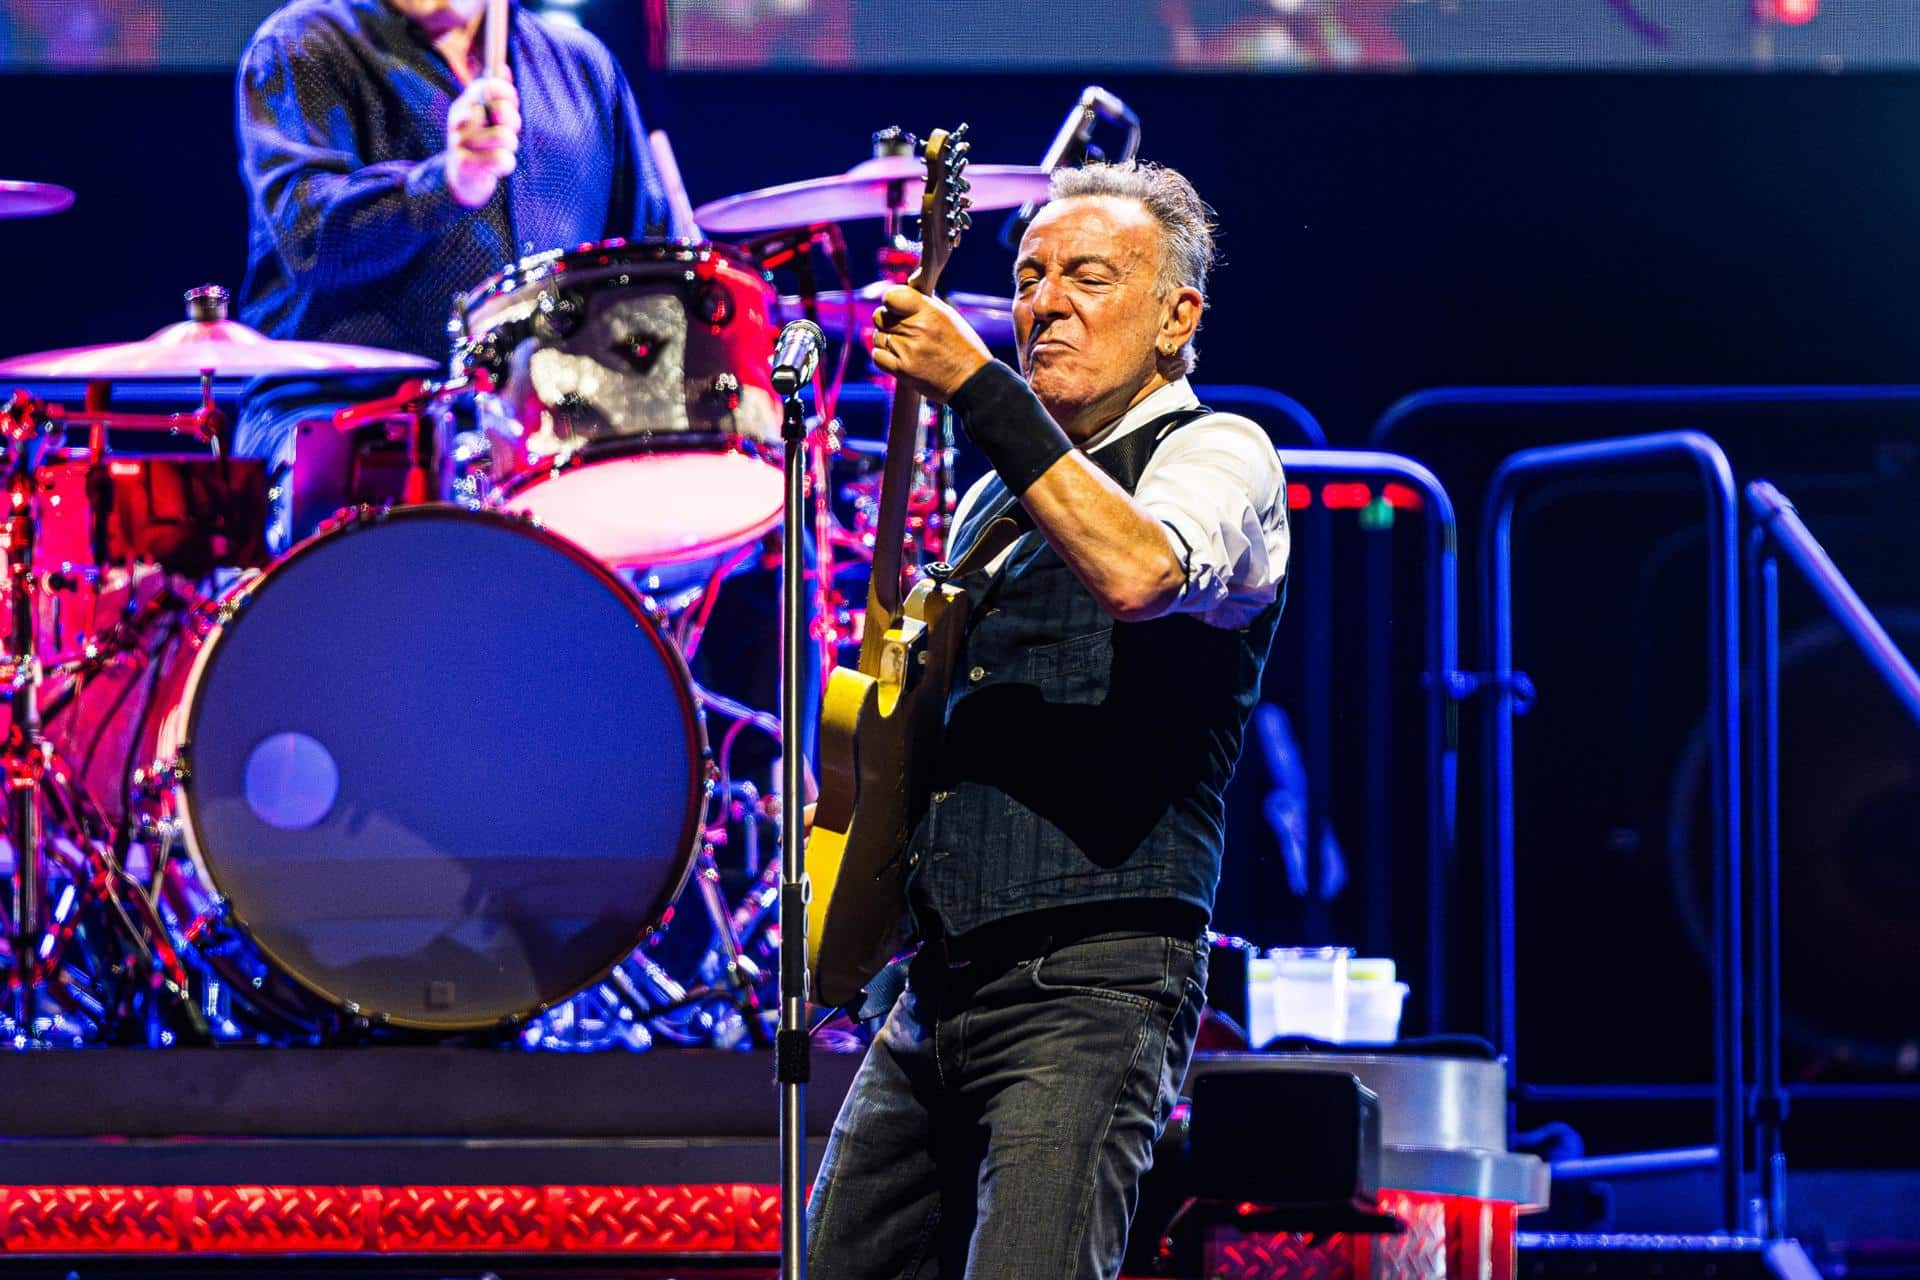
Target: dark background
(1380, 233)
(1383, 234)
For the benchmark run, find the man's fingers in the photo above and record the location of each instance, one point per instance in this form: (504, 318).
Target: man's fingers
(901, 301)
(497, 164)
(505, 116)
(484, 138)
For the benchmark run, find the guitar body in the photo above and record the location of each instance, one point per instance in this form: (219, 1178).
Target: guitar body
(877, 738)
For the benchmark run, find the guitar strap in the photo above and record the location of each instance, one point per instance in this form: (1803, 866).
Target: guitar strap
(1124, 459)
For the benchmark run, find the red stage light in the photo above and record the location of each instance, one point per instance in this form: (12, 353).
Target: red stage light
(1299, 497)
(1346, 497)
(1401, 498)
(1792, 13)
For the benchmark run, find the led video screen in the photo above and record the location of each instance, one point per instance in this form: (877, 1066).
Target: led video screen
(1080, 35)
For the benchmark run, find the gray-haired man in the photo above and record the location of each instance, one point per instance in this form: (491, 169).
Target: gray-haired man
(1062, 879)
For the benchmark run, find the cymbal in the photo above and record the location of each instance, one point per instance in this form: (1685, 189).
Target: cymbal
(32, 199)
(871, 189)
(208, 342)
(989, 316)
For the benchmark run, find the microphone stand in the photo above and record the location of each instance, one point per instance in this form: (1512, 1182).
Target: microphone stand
(793, 1063)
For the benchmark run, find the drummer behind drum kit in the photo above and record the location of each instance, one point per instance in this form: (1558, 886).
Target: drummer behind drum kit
(442, 767)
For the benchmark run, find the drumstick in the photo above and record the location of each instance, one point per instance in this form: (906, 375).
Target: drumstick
(680, 223)
(496, 39)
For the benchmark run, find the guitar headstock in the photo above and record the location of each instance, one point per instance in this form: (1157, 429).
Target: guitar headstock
(945, 207)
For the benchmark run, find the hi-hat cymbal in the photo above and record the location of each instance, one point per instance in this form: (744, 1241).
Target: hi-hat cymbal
(990, 317)
(872, 189)
(32, 199)
(208, 342)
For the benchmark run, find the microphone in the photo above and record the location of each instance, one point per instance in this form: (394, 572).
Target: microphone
(1070, 145)
(796, 355)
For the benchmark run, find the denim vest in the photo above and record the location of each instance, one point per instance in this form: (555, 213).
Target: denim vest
(1083, 759)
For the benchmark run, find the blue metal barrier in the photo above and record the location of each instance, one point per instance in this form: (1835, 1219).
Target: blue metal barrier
(1506, 689)
(1778, 532)
(1411, 407)
(1439, 686)
(1279, 413)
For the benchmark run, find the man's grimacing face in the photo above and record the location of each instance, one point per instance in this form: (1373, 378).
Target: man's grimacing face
(1086, 310)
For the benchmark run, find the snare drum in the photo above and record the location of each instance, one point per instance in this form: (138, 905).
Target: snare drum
(637, 412)
(438, 766)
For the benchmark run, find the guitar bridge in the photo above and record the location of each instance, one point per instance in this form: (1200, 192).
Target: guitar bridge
(901, 656)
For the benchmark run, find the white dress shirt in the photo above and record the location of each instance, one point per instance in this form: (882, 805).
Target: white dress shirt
(1217, 487)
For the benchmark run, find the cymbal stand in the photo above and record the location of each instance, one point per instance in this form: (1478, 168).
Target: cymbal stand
(25, 756)
(26, 759)
(203, 423)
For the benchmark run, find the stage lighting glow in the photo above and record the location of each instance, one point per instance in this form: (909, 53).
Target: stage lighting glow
(1346, 497)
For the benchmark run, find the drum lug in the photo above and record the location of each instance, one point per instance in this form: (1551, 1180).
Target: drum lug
(348, 518)
(723, 393)
(558, 314)
(155, 782)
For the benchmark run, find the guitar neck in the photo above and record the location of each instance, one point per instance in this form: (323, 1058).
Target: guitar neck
(896, 484)
(943, 215)
(884, 595)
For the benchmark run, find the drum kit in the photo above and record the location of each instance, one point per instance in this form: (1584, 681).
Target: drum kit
(443, 767)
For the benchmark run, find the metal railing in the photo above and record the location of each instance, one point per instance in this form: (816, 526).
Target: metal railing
(1778, 533)
(1439, 686)
(1507, 689)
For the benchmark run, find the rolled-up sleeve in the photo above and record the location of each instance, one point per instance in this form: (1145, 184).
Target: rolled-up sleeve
(1218, 488)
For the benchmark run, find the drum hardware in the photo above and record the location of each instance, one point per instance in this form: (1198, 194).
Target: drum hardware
(36, 782)
(641, 1000)
(736, 979)
(407, 411)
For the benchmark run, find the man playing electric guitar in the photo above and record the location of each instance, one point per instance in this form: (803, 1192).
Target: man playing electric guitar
(1062, 878)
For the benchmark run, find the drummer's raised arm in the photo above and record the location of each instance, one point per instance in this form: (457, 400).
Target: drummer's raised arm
(335, 220)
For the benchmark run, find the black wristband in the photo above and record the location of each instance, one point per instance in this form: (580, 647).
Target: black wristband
(1002, 415)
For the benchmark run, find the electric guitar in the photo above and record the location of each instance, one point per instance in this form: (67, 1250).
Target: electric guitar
(879, 721)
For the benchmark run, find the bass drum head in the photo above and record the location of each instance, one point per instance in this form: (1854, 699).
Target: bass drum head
(442, 768)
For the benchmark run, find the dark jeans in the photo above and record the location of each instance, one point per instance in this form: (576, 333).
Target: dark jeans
(1001, 1122)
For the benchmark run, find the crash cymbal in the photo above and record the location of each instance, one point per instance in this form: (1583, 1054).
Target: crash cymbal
(871, 189)
(32, 199)
(208, 342)
(990, 317)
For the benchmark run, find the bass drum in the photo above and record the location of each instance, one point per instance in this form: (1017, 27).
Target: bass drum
(438, 766)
